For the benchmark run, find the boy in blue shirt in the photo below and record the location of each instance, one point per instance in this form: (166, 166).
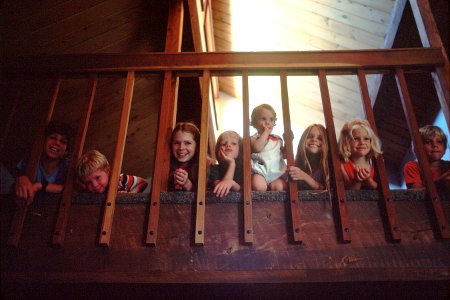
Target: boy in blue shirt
(53, 165)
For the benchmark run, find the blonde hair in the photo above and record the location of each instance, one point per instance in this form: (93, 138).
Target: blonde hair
(227, 135)
(90, 162)
(256, 113)
(428, 131)
(346, 136)
(302, 160)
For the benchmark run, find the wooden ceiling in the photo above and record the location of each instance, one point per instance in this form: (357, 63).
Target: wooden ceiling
(119, 26)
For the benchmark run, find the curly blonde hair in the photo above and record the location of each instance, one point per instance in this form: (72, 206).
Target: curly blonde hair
(90, 162)
(346, 136)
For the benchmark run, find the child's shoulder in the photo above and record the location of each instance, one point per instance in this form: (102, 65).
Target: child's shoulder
(275, 137)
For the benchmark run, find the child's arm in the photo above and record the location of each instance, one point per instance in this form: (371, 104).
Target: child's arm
(131, 184)
(298, 174)
(141, 184)
(411, 173)
(258, 144)
(25, 190)
(222, 187)
(53, 188)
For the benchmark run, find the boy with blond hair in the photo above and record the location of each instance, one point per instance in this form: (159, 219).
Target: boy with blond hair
(93, 172)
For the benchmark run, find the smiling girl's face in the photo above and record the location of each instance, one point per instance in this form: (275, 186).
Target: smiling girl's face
(360, 143)
(183, 146)
(314, 141)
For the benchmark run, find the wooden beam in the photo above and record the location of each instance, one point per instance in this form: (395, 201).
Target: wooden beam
(32, 166)
(433, 196)
(228, 62)
(430, 37)
(341, 201)
(167, 117)
(201, 26)
(110, 205)
(288, 137)
(388, 203)
(66, 201)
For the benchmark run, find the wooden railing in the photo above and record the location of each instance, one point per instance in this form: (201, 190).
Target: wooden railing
(205, 66)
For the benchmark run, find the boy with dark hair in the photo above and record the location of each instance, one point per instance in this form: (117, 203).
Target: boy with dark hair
(53, 164)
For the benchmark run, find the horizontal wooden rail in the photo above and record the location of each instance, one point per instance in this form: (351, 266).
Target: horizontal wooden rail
(227, 62)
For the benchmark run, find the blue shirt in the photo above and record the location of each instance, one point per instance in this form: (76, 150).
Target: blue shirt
(58, 176)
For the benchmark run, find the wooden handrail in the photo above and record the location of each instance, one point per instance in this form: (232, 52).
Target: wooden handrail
(245, 64)
(225, 63)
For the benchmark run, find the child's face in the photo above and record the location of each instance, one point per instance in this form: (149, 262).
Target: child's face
(314, 141)
(434, 148)
(97, 181)
(230, 147)
(183, 146)
(360, 144)
(55, 146)
(266, 119)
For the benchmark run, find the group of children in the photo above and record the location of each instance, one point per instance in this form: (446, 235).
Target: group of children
(358, 146)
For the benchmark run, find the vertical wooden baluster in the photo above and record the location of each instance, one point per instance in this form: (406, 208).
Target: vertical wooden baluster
(388, 202)
(167, 115)
(288, 137)
(161, 166)
(432, 193)
(33, 163)
(201, 189)
(66, 200)
(110, 205)
(341, 202)
(246, 156)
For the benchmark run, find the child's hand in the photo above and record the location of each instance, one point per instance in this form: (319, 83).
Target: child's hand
(362, 174)
(180, 177)
(296, 173)
(225, 158)
(223, 187)
(268, 130)
(25, 191)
